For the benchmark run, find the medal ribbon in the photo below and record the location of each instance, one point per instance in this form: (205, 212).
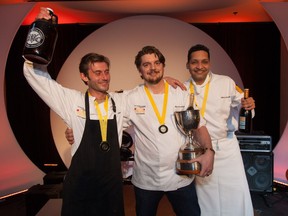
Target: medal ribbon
(161, 119)
(102, 120)
(203, 107)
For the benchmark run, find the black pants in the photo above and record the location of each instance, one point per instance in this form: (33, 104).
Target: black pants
(184, 201)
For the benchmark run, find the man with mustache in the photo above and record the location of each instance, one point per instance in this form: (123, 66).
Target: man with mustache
(225, 191)
(150, 109)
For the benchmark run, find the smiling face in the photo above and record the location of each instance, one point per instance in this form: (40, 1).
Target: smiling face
(151, 69)
(199, 66)
(98, 78)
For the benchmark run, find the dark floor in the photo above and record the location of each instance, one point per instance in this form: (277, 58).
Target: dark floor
(270, 204)
(265, 204)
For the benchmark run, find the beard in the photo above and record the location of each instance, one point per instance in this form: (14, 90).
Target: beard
(154, 80)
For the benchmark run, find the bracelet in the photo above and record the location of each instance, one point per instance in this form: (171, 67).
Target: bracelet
(211, 149)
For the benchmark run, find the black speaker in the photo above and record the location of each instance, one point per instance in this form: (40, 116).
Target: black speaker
(259, 170)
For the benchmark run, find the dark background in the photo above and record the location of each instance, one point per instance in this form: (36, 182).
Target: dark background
(253, 47)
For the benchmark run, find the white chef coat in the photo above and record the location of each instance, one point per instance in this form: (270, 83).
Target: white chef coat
(156, 153)
(226, 191)
(69, 104)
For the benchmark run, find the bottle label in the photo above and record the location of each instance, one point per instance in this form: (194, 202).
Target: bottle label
(242, 121)
(35, 38)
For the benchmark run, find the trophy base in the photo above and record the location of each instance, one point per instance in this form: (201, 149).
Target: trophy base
(185, 168)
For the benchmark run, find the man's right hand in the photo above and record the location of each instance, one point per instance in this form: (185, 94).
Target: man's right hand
(44, 14)
(69, 135)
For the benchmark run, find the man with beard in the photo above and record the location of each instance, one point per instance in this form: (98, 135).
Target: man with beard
(150, 109)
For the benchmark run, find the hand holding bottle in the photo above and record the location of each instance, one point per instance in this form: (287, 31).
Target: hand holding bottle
(248, 103)
(42, 37)
(245, 114)
(44, 14)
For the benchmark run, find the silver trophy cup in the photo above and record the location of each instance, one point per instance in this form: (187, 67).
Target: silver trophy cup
(187, 121)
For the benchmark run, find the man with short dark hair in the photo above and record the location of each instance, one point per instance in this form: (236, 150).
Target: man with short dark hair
(93, 184)
(150, 109)
(225, 191)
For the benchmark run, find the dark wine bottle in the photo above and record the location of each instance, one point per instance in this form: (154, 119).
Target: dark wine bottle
(41, 40)
(245, 117)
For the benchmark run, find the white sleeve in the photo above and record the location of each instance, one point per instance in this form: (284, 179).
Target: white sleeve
(61, 100)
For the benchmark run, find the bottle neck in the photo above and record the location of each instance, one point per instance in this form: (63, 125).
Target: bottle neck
(246, 93)
(191, 101)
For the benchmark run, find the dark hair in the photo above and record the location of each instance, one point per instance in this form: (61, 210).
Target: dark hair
(149, 50)
(89, 59)
(197, 47)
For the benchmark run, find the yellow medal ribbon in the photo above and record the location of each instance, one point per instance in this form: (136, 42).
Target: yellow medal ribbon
(203, 107)
(161, 119)
(102, 120)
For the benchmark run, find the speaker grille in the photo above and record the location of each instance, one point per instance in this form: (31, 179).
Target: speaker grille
(259, 170)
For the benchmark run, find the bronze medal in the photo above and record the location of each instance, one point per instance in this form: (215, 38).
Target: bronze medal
(161, 118)
(163, 129)
(105, 146)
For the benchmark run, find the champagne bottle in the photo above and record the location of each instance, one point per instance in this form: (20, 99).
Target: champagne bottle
(191, 102)
(192, 114)
(41, 40)
(245, 117)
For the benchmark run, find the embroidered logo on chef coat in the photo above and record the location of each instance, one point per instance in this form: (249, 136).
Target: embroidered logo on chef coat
(178, 108)
(81, 112)
(138, 109)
